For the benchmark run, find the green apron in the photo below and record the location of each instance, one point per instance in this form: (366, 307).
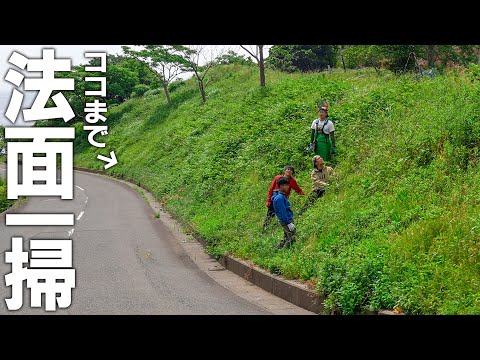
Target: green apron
(323, 147)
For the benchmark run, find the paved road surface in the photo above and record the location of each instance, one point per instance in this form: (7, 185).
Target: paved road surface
(127, 262)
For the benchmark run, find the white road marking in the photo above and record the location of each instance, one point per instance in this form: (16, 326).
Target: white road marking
(49, 200)
(70, 233)
(86, 200)
(80, 215)
(80, 188)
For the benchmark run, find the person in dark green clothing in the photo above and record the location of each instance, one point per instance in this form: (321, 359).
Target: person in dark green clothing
(322, 138)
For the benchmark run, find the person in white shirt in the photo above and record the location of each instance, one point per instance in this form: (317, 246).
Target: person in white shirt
(322, 138)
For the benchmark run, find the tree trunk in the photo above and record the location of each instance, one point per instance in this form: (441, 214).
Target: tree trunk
(431, 54)
(343, 62)
(261, 65)
(167, 93)
(201, 86)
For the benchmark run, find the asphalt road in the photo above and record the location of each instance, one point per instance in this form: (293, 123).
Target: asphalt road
(126, 261)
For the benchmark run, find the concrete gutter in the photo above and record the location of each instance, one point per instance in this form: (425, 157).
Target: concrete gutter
(292, 291)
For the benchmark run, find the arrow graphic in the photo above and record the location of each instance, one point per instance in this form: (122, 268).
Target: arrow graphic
(111, 161)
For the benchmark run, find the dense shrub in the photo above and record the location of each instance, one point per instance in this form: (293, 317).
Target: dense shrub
(291, 58)
(139, 90)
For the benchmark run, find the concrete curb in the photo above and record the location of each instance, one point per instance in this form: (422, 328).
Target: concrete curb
(17, 205)
(292, 291)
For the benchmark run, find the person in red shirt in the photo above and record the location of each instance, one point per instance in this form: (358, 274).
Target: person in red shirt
(288, 172)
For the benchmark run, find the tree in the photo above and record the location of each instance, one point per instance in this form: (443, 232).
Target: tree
(161, 60)
(231, 57)
(192, 57)
(121, 81)
(144, 74)
(393, 57)
(431, 55)
(77, 98)
(400, 58)
(358, 56)
(257, 54)
(342, 55)
(447, 55)
(291, 58)
(123, 74)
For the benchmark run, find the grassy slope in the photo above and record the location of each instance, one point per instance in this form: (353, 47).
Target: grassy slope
(399, 226)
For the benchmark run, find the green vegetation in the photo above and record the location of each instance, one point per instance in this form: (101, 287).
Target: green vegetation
(4, 203)
(2, 137)
(399, 57)
(291, 58)
(399, 225)
(126, 78)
